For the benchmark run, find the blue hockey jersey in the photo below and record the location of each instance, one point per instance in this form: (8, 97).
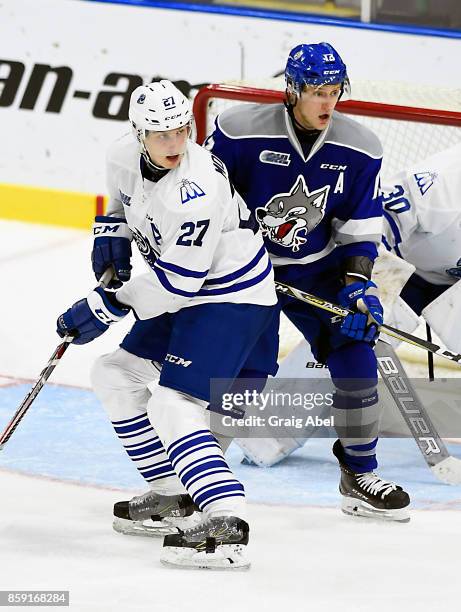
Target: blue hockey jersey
(311, 210)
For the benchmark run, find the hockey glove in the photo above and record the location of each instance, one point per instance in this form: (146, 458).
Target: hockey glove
(361, 325)
(89, 318)
(112, 247)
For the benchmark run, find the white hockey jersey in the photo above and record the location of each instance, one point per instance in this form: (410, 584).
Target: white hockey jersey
(192, 229)
(422, 211)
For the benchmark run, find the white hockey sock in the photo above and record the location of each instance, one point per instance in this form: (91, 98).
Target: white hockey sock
(182, 425)
(120, 380)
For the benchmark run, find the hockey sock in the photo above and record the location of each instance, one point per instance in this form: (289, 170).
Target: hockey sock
(144, 448)
(120, 381)
(196, 456)
(356, 409)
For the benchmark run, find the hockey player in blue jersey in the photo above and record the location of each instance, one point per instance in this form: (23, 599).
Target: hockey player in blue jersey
(311, 177)
(204, 310)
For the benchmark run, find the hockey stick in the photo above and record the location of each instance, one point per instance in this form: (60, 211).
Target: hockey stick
(430, 356)
(319, 302)
(44, 376)
(445, 467)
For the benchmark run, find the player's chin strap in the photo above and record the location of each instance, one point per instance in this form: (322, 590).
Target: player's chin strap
(46, 373)
(401, 335)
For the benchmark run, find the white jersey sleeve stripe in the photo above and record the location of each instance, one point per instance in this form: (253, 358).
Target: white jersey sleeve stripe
(238, 286)
(357, 230)
(180, 270)
(162, 277)
(240, 272)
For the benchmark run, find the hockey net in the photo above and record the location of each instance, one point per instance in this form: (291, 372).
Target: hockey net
(412, 122)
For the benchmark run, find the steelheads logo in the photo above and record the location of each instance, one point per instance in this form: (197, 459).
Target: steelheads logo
(288, 217)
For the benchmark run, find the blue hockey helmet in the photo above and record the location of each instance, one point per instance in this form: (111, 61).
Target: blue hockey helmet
(317, 64)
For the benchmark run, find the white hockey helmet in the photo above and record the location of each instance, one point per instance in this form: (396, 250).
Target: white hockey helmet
(158, 107)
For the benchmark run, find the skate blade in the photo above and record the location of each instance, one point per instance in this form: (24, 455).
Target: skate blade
(226, 558)
(154, 529)
(356, 507)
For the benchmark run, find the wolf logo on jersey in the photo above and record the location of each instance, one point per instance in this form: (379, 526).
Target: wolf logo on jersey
(286, 215)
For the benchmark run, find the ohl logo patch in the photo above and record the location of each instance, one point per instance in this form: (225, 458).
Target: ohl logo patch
(425, 180)
(190, 191)
(287, 215)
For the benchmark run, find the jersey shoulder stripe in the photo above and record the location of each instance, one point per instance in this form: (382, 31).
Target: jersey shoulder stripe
(345, 132)
(253, 121)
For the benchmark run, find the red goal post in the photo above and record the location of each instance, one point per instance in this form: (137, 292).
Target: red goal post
(412, 121)
(247, 93)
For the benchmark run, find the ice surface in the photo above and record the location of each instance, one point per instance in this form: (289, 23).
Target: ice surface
(63, 469)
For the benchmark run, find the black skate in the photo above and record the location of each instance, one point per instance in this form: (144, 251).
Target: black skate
(216, 543)
(370, 496)
(154, 515)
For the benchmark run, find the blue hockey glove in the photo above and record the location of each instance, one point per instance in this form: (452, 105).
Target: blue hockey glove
(363, 297)
(89, 318)
(112, 247)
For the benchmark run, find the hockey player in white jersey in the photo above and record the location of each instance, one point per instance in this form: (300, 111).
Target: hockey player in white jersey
(422, 219)
(204, 310)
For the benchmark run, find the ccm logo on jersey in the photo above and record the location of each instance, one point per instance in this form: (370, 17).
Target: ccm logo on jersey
(178, 360)
(332, 167)
(273, 157)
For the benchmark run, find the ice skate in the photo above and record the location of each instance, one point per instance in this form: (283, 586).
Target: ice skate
(154, 515)
(216, 543)
(367, 495)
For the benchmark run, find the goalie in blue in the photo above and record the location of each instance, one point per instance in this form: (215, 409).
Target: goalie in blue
(310, 175)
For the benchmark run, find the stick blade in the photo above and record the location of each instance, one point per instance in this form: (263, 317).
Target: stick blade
(448, 471)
